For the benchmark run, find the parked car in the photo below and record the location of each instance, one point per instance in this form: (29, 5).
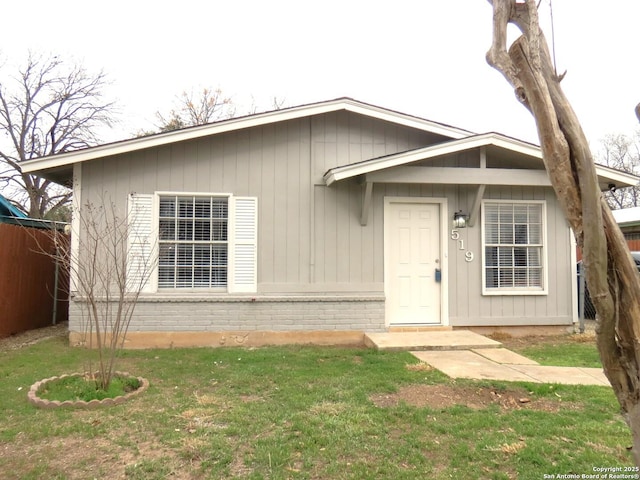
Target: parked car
(589, 309)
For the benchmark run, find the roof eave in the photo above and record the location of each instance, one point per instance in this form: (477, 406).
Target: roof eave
(606, 175)
(618, 178)
(141, 143)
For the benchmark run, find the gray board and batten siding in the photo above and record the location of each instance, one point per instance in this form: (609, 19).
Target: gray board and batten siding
(318, 267)
(282, 165)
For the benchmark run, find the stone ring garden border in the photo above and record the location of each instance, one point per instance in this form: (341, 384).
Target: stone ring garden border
(33, 398)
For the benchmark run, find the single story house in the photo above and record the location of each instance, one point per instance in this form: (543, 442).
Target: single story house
(320, 222)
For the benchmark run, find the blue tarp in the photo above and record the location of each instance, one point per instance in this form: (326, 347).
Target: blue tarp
(8, 210)
(12, 215)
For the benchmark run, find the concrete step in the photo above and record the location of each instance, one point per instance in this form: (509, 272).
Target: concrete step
(428, 340)
(419, 329)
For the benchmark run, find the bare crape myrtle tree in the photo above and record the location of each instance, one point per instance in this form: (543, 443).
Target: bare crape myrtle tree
(108, 261)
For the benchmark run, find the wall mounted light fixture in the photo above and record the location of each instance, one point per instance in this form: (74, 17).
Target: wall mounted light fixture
(460, 219)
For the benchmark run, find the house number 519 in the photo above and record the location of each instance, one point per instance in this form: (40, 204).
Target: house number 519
(455, 235)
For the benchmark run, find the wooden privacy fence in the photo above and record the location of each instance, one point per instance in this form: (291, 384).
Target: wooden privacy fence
(27, 281)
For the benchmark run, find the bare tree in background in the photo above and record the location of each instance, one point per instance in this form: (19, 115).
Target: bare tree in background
(622, 153)
(612, 276)
(47, 107)
(209, 106)
(191, 110)
(277, 103)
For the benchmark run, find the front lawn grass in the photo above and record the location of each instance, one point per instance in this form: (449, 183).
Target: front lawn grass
(298, 413)
(576, 350)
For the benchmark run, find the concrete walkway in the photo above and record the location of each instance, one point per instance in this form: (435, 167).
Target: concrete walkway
(503, 364)
(464, 354)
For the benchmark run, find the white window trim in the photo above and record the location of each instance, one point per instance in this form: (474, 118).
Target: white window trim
(545, 264)
(76, 204)
(156, 220)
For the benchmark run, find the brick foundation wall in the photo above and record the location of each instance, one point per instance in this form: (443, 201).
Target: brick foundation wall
(260, 313)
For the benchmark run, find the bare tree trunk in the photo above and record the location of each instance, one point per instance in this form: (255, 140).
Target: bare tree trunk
(612, 276)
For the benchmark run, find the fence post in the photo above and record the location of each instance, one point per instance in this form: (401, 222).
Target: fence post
(581, 295)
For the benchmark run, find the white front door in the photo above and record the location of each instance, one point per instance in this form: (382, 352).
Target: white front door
(412, 260)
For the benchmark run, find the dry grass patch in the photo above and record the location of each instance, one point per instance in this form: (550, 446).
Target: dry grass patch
(418, 367)
(207, 399)
(508, 448)
(77, 458)
(587, 337)
(329, 408)
(476, 398)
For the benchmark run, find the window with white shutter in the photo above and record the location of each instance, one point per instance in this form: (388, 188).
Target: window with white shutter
(513, 247)
(203, 241)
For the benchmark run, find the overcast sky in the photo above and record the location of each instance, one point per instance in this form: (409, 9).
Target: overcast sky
(424, 58)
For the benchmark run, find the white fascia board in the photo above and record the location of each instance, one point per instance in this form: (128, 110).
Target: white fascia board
(259, 119)
(454, 146)
(158, 140)
(619, 178)
(514, 145)
(407, 120)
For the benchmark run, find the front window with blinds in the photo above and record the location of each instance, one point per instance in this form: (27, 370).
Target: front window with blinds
(513, 247)
(193, 241)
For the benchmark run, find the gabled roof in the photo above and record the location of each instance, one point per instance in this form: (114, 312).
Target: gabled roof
(60, 167)
(39, 165)
(432, 151)
(606, 175)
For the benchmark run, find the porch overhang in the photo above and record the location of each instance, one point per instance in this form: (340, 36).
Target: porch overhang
(526, 168)
(374, 169)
